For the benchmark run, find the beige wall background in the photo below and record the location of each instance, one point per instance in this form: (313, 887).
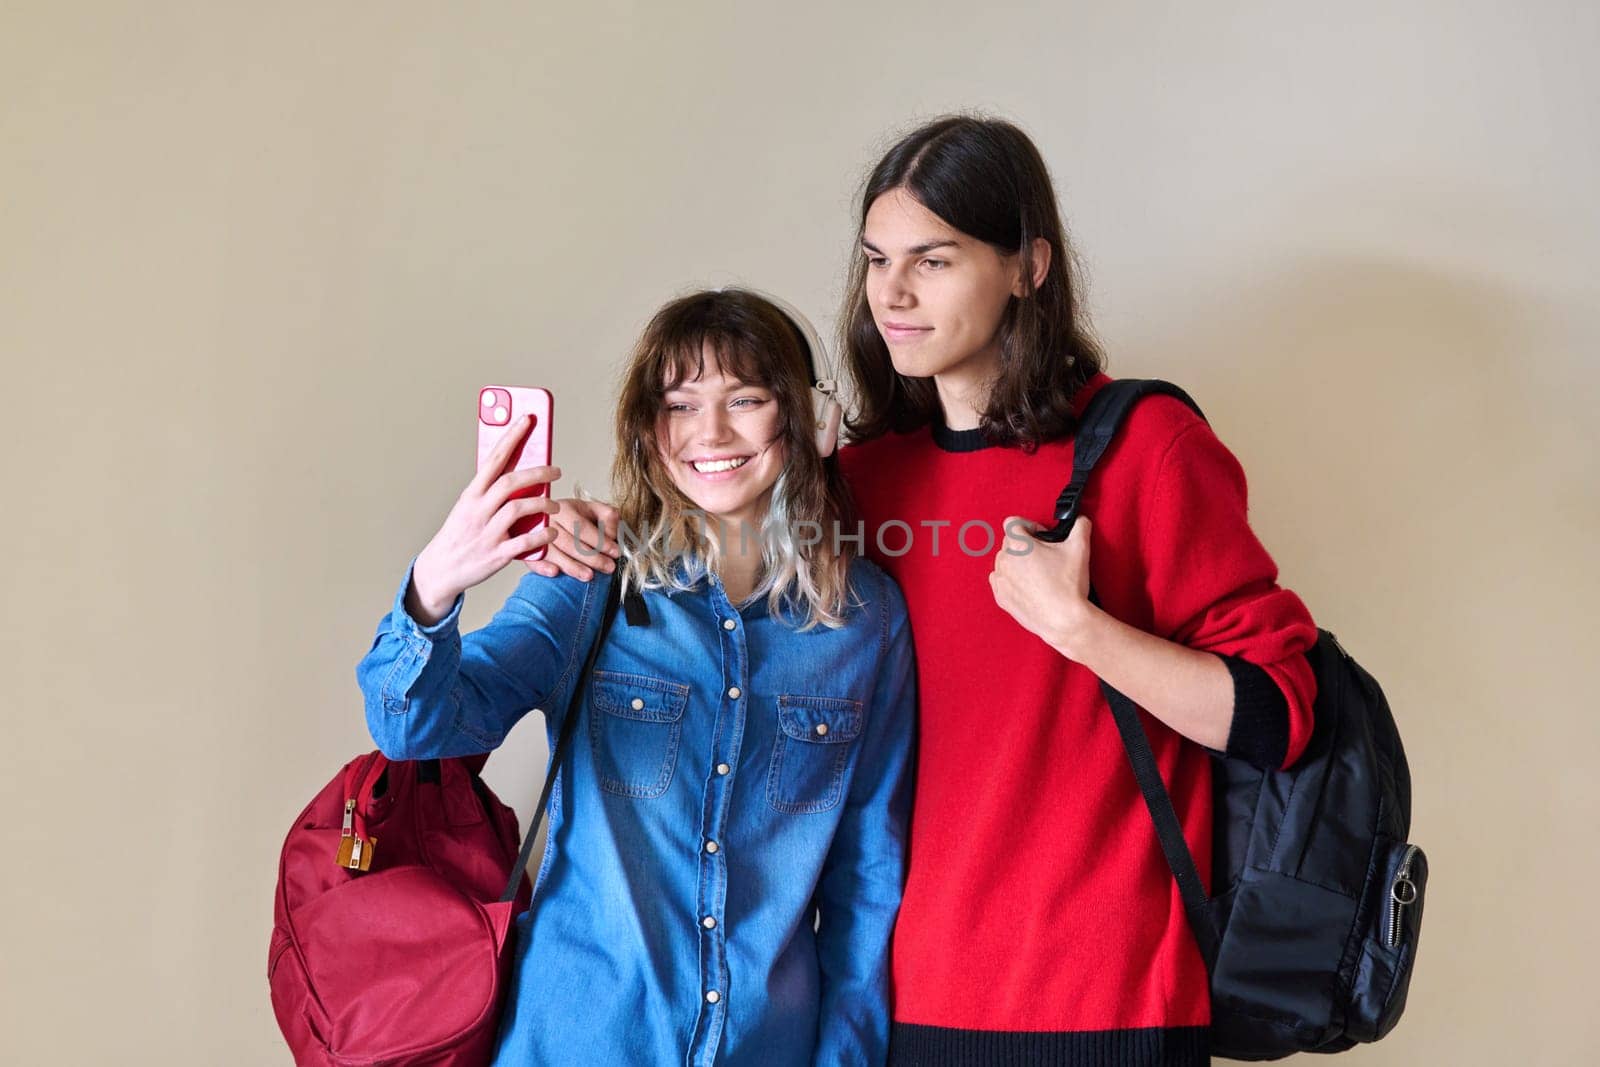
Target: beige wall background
(255, 260)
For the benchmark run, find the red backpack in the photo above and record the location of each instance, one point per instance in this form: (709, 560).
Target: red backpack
(389, 943)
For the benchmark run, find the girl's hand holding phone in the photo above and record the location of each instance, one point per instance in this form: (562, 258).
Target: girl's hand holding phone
(475, 541)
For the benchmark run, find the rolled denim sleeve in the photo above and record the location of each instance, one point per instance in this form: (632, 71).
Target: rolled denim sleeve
(430, 692)
(858, 894)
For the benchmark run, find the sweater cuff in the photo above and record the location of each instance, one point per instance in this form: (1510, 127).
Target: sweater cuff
(1260, 731)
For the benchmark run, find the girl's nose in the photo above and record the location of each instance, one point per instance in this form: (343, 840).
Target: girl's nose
(713, 426)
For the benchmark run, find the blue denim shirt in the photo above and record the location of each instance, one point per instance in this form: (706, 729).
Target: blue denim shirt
(727, 839)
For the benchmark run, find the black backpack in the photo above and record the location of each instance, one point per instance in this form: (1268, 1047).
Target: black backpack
(1311, 930)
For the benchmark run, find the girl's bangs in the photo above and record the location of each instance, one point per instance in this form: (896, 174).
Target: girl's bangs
(682, 358)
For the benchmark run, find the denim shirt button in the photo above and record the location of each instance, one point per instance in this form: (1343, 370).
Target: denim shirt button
(729, 624)
(709, 923)
(638, 705)
(713, 996)
(711, 846)
(723, 768)
(733, 694)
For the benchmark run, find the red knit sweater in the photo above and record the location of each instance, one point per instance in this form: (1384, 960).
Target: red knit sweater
(1038, 904)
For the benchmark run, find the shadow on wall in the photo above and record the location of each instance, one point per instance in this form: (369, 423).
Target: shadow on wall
(1423, 465)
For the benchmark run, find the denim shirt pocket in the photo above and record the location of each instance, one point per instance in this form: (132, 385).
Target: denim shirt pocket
(635, 730)
(815, 738)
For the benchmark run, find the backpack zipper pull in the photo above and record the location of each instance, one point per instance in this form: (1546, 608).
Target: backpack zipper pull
(354, 853)
(1402, 894)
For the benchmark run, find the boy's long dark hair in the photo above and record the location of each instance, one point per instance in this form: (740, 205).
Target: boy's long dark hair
(985, 178)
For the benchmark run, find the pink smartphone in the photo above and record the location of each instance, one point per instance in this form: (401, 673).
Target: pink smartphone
(498, 407)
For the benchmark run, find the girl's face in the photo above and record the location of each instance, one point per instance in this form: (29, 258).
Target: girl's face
(719, 439)
(936, 294)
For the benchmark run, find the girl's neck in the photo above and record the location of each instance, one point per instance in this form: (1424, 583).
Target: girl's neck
(739, 561)
(739, 576)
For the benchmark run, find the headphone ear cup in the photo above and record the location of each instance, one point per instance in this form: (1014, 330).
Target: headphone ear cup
(828, 416)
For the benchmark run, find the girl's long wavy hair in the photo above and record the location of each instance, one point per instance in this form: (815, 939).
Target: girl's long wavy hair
(666, 541)
(985, 178)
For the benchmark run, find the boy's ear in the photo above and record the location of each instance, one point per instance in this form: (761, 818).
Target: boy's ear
(1041, 266)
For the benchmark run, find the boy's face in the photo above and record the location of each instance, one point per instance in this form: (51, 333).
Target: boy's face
(937, 295)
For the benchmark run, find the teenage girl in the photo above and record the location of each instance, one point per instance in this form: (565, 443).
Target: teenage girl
(727, 842)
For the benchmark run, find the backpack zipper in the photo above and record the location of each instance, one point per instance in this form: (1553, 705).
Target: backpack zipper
(1402, 894)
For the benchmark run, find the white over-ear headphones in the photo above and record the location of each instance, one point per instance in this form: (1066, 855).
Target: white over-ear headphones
(827, 413)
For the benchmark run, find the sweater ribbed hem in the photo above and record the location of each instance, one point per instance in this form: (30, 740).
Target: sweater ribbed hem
(912, 1045)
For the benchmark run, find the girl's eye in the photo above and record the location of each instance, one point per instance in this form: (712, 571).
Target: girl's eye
(748, 402)
(676, 408)
(877, 261)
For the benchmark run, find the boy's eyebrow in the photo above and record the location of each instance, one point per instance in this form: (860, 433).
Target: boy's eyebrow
(915, 250)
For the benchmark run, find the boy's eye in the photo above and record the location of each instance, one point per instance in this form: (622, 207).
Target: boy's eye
(877, 261)
(935, 264)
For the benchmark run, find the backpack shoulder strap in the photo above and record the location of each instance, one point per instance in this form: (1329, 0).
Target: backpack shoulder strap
(1104, 416)
(1169, 831)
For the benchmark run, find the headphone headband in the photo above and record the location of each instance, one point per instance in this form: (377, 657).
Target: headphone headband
(827, 413)
(810, 340)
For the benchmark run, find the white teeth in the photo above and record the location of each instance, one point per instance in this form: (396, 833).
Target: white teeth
(719, 465)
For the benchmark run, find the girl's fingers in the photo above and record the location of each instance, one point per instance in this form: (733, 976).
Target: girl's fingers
(528, 542)
(495, 466)
(522, 508)
(512, 482)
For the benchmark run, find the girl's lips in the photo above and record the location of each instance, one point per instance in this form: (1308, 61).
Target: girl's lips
(717, 476)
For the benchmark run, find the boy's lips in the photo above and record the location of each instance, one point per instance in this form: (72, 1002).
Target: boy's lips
(904, 331)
